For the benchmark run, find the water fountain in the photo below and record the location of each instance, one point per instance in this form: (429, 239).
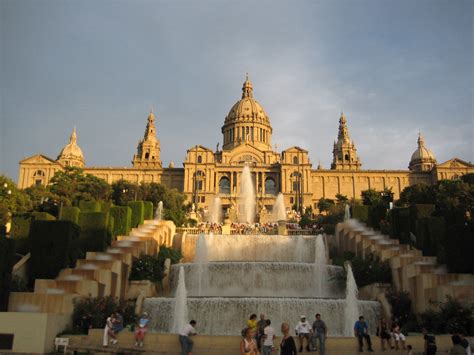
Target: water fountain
(180, 311)
(159, 211)
(320, 264)
(215, 210)
(351, 310)
(279, 210)
(347, 213)
(201, 260)
(247, 197)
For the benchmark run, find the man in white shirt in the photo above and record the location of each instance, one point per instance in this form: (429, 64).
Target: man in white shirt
(303, 330)
(268, 336)
(184, 338)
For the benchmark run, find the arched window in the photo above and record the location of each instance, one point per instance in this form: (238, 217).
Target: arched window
(199, 160)
(39, 173)
(224, 186)
(147, 155)
(200, 177)
(270, 186)
(296, 181)
(295, 160)
(346, 157)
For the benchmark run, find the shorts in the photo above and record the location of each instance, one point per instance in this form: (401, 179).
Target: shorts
(399, 336)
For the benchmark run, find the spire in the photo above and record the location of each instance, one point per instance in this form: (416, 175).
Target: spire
(73, 138)
(421, 140)
(150, 133)
(343, 135)
(247, 88)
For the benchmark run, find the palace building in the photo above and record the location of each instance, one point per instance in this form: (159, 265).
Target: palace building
(247, 140)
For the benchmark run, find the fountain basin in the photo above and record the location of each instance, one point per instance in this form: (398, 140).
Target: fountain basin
(227, 315)
(270, 279)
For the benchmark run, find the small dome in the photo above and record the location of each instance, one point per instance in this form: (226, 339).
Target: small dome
(422, 158)
(247, 109)
(72, 152)
(422, 153)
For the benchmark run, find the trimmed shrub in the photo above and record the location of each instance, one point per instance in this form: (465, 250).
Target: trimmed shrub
(360, 212)
(110, 230)
(430, 234)
(94, 231)
(90, 206)
(43, 216)
(7, 260)
(53, 247)
(401, 223)
(106, 206)
(122, 220)
(459, 245)
(377, 213)
(70, 213)
(148, 212)
(419, 211)
(138, 212)
(20, 226)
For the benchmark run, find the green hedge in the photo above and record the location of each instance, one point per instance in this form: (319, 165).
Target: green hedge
(106, 206)
(21, 223)
(70, 213)
(138, 212)
(459, 244)
(148, 212)
(53, 247)
(376, 214)
(20, 226)
(110, 230)
(401, 224)
(90, 206)
(419, 211)
(361, 213)
(94, 231)
(43, 216)
(430, 235)
(7, 260)
(122, 220)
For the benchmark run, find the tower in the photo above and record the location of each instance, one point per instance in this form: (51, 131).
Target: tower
(148, 149)
(422, 158)
(71, 154)
(344, 150)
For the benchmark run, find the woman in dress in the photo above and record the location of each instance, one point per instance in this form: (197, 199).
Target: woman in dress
(248, 345)
(287, 345)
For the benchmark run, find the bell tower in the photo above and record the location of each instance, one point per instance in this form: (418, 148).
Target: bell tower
(148, 149)
(344, 151)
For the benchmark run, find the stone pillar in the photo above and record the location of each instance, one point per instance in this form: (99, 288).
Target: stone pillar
(282, 228)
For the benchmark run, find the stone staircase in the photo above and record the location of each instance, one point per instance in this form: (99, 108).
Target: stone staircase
(421, 276)
(99, 274)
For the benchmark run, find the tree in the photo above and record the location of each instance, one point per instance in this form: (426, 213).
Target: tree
(468, 178)
(325, 204)
(417, 194)
(73, 186)
(372, 197)
(12, 199)
(43, 200)
(124, 191)
(341, 199)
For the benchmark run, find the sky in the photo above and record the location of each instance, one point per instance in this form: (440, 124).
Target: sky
(395, 67)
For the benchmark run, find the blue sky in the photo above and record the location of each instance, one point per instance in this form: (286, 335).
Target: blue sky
(395, 67)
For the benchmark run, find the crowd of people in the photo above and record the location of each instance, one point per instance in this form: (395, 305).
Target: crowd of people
(258, 336)
(255, 228)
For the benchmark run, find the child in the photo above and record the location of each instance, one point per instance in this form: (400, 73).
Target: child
(409, 350)
(398, 335)
(141, 329)
(109, 331)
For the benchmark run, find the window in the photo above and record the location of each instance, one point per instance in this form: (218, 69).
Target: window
(296, 185)
(147, 155)
(346, 157)
(270, 186)
(292, 200)
(38, 182)
(39, 173)
(199, 159)
(224, 186)
(295, 160)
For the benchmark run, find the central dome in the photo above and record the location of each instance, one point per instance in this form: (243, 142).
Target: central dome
(247, 109)
(247, 122)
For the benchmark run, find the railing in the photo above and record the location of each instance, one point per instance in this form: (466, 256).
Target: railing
(249, 231)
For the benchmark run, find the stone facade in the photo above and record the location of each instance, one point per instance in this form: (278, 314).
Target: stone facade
(247, 141)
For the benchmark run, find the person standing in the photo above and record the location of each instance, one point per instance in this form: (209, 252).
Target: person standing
(252, 322)
(268, 336)
(320, 332)
(382, 332)
(303, 331)
(287, 345)
(261, 324)
(361, 331)
(109, 331)
(118, 322)
(185, 338)
(457, 348)
(248, 345)
(430, 342)
(142, 328)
